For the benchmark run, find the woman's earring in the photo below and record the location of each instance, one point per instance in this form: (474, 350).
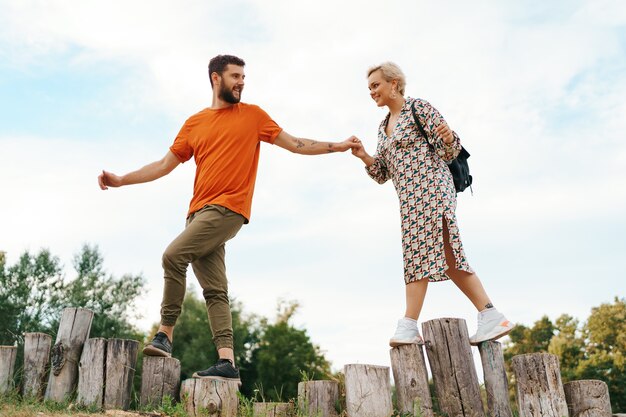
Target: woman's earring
(393, 94)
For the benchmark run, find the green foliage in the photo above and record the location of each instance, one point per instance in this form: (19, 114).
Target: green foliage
(595, 350)
(33, 293)
(283, 354)
(30, 290)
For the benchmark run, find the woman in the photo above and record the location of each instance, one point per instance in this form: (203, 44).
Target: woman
(432, 248)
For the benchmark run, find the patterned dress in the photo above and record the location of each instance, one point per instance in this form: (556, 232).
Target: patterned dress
(425, 189)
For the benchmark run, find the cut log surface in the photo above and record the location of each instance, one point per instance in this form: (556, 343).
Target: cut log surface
(318, 398)
(496, 383)
(8, 354)
(36, 358)
(273, 410)
(411, 380)
(160, 377)
(68, 346)
(368, 391)
(121, 361)
(91, 373)
(212, 397)
(452, 365)
(539, 388)
(587, 398)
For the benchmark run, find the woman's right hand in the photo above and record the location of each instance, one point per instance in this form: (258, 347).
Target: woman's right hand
(359, 149)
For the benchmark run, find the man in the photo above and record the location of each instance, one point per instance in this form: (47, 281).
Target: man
(225, 143)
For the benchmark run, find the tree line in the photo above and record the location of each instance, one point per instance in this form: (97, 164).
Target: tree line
(273, 355)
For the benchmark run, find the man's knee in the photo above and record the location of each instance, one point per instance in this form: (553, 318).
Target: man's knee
(172, 258)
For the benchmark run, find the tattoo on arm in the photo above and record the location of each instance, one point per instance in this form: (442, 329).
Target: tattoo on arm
(330, 148)
(299, 143)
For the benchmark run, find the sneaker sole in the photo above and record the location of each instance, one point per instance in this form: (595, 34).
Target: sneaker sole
(218, 378)
(496, 337)
(395, 343)
(150, 350)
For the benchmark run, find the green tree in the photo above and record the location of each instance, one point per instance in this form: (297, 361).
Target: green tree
(111, 299)
(568, 345)
(33, 293)
(605, 357)
(29, 292)
(284, 354)
(597, 350)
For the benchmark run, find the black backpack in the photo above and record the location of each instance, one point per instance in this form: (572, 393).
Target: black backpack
(458, 167)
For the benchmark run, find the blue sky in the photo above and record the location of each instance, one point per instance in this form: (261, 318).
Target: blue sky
(535, 91)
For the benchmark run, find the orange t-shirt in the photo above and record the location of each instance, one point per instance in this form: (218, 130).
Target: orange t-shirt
(225, 144)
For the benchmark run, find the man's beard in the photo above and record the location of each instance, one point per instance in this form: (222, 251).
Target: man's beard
(228, 96)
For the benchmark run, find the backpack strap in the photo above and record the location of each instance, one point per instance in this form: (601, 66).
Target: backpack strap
(419, 125)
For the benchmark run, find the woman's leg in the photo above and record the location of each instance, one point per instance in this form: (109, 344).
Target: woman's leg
(468, 283)
(491, 323)
(415, 293)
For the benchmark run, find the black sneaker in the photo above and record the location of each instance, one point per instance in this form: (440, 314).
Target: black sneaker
(160, 346)
(222, 370)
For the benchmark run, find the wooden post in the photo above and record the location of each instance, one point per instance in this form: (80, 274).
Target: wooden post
(7, 367)
(273, 410)
(73, 331)
(587, 398)
(92, 373)
(209, 396)
(368, 391)
(121, 360)
(411, 380)
(160, 377)
(36, 359)
(539, 389)
(318, 398)
(451, 362)
(496, 383)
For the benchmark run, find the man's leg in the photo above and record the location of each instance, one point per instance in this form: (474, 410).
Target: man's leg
(211, 273)
(206, 230)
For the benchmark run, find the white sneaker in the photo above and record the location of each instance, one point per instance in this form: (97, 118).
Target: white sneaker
(406, 333)
(492, 325)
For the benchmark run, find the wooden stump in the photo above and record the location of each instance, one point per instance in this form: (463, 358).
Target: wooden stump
(587, 398)
(496, 383)
(318, 398)
(209, 396)
(160, 377)
(121, 361)
(91, 373)
(539, 389)
(273, 410)
(454, 375)
(73, 331)
(7, 367)
(36, 359)
(368, 391)
(411, 380)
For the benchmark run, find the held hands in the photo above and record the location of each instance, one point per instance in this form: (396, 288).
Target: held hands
(358, 149)
(108, 179)
(346, 144)
(445, 133)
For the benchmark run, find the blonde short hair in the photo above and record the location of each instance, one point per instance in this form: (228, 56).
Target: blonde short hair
(390, 72)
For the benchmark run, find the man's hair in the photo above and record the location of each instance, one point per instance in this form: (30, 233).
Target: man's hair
(390, 72)
(218, 64)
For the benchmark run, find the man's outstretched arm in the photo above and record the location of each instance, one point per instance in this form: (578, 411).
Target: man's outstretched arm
(148, 173)
(312, 147)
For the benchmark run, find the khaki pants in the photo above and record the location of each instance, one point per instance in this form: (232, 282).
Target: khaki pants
(201, 244)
